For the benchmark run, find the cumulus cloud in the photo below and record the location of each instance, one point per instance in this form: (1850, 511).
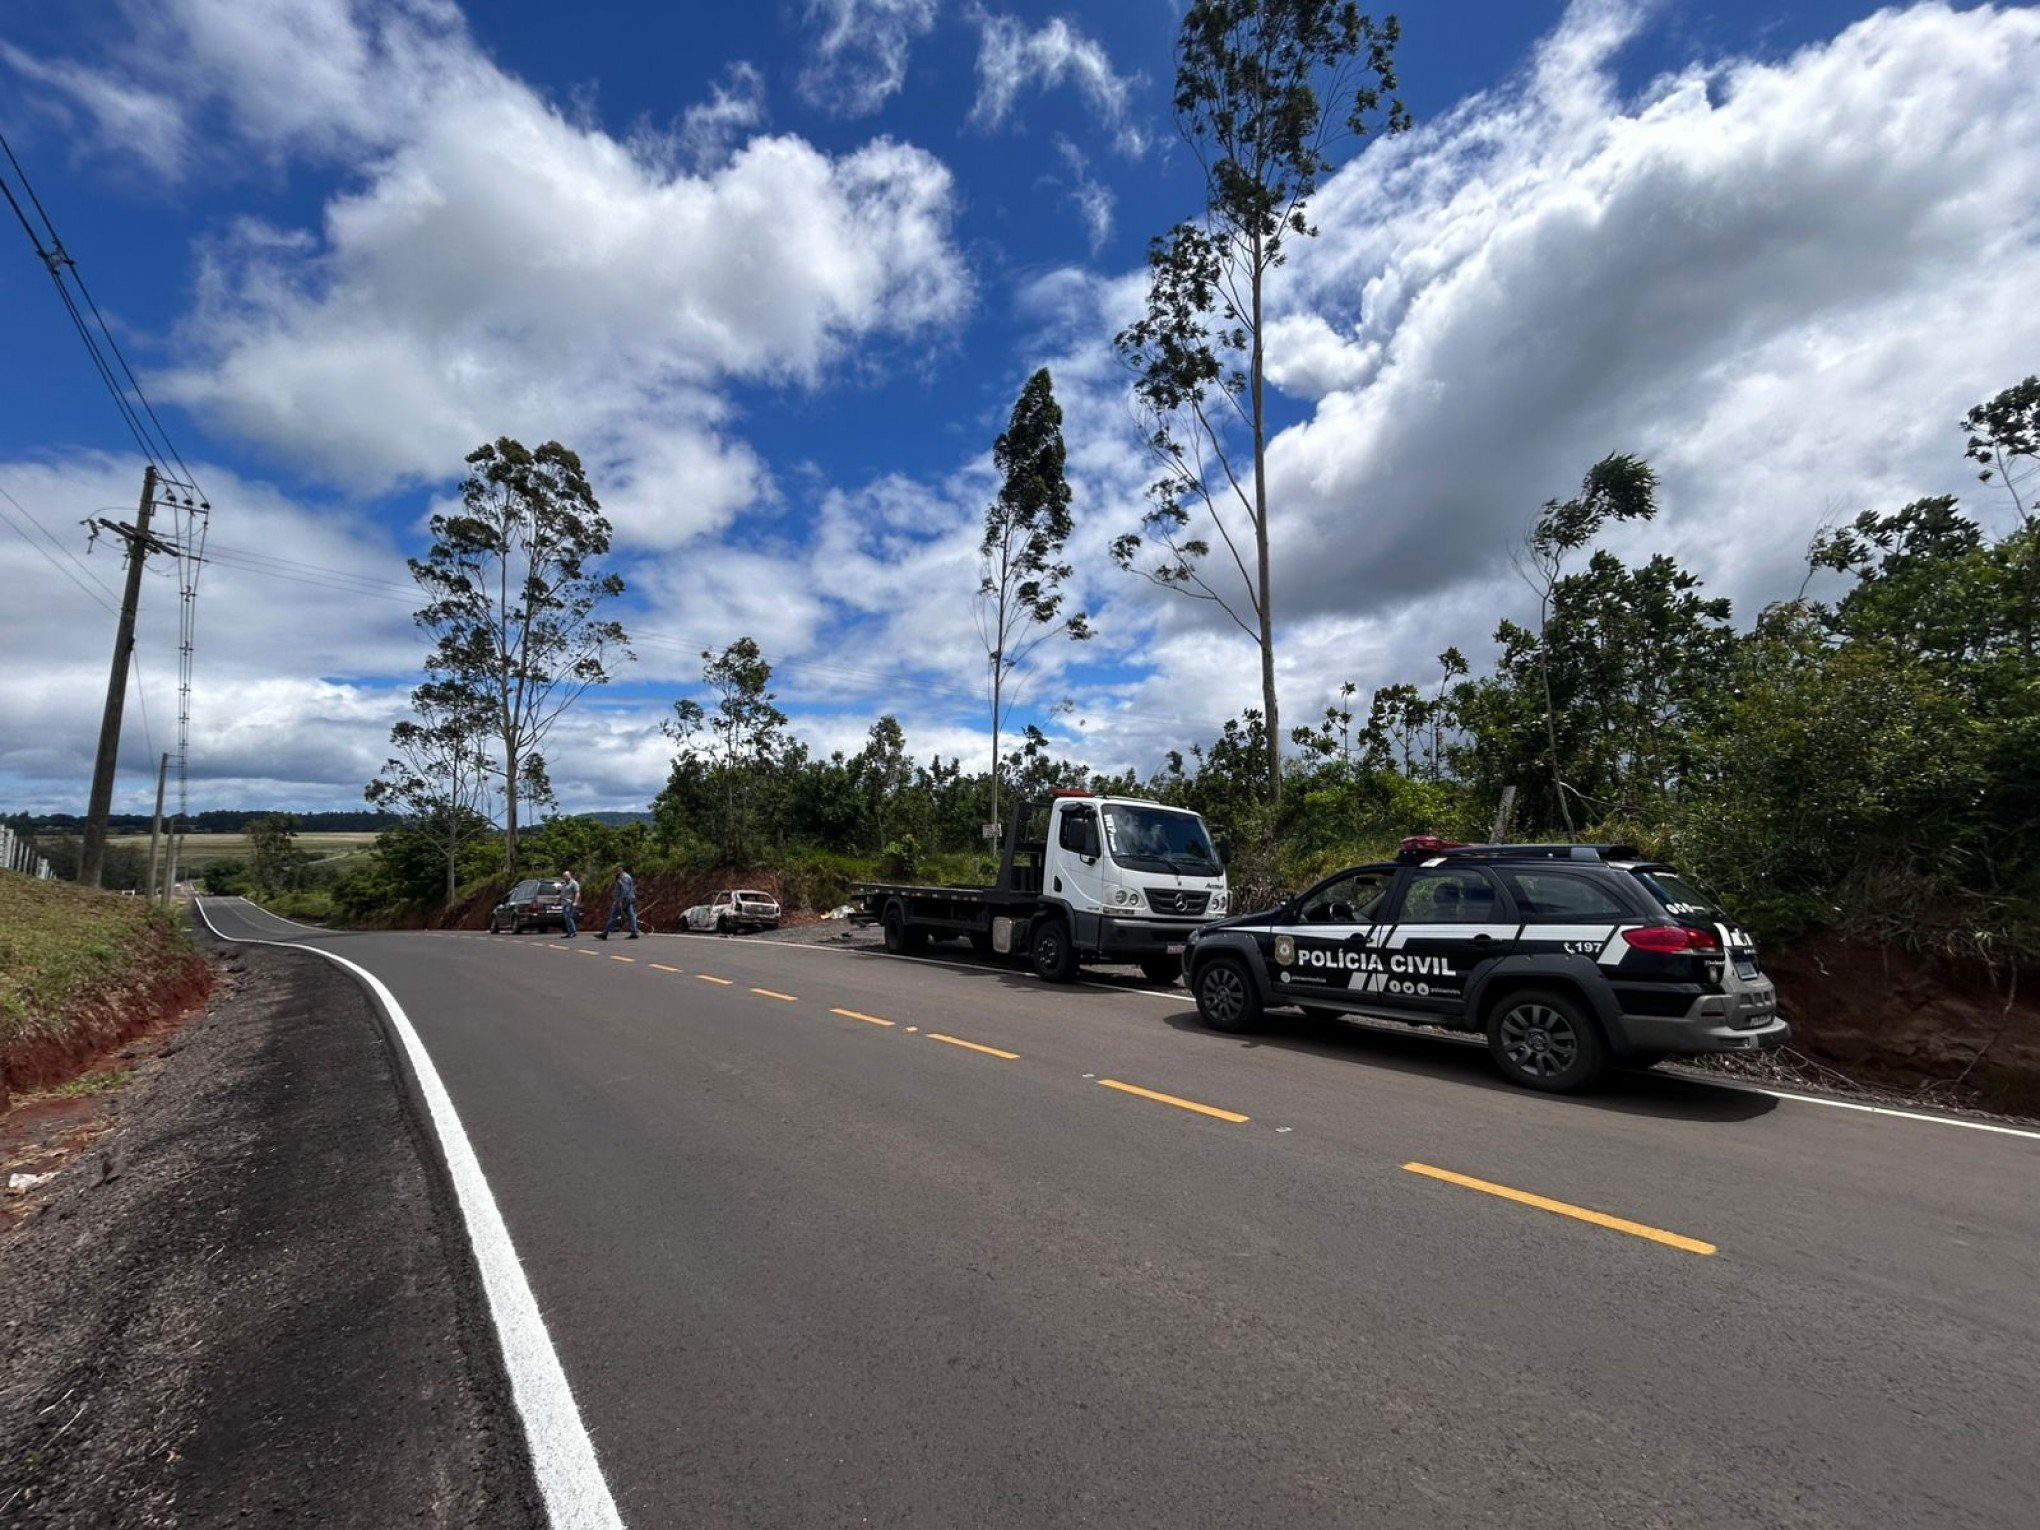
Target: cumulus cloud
(1763, 275)
(1011, 58)
(859, 51)
(501, 265)
(710, 130)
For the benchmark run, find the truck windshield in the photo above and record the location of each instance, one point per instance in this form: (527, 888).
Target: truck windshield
(1155, 839)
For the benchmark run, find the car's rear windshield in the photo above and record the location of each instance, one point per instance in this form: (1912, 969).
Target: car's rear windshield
(756, 897)
(1678, 894)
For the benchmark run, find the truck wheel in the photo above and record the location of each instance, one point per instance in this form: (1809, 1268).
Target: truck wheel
(901, 939)
(722, 924)
(1162, 971)
(1544, 1040)
(1055, 954)
(1226, 996)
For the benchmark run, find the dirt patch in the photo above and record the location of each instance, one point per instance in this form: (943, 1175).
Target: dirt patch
(252, 1298)
(1892, 1018)
(153, 1002)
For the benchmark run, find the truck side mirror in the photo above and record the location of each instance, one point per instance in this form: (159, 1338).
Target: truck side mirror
(1092, 848)
(1224, 849)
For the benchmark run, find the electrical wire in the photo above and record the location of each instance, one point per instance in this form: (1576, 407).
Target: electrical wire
(54, 541)
(15, 526)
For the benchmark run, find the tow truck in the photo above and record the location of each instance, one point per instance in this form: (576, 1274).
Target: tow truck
(1082, 878)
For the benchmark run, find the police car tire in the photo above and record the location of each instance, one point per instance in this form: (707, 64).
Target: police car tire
(1567, 1025)
(1227, 998)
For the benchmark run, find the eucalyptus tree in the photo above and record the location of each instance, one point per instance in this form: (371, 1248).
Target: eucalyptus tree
(515, 590)
(1020, 557)
(1266, 92)
(440, 777)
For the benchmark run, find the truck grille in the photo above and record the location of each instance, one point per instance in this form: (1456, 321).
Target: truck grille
(1167, 900)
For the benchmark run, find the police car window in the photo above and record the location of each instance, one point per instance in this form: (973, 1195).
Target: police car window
(1543, 895)
(1353, 899)
(1449, 895)
(1678, 895)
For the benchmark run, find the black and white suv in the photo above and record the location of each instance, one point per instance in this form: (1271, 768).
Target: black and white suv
(1570, 958)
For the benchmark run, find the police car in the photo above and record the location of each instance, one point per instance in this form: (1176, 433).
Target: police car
(1570, 958)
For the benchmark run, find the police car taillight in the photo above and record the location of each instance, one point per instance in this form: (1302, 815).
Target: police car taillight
(1671, 939)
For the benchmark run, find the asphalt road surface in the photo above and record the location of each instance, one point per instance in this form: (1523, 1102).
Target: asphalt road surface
(826, 1237)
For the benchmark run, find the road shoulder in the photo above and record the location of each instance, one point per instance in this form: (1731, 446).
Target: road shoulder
(256, 1298)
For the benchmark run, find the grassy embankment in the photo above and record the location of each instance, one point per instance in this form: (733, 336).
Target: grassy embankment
(81, 971)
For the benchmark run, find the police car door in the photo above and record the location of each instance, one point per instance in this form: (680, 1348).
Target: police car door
(1322, 953)
(1449, 922)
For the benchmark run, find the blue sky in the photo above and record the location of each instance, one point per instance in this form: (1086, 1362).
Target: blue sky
(778, 271)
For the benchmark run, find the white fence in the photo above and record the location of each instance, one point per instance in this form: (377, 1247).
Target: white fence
(18, 854)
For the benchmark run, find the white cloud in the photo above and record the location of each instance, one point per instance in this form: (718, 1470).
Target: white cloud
(859, 52)
(735, 108)
(1012, 58)
(497, 265)
(1093, 198)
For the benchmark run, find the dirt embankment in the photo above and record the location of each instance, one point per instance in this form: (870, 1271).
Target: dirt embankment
(1888, 1016)
(80, 973)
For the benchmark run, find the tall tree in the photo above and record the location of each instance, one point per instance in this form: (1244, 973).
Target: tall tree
(441, 774)
(743, 735)
(1617, 488)
(275, 864)
(514, 593)
(1266, 91)
(1020, 567)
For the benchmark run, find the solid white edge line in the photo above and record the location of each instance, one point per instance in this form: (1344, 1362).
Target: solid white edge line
(562, 1456)
(1874, 1110)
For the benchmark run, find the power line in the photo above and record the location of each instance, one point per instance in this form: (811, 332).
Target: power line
(15, 526)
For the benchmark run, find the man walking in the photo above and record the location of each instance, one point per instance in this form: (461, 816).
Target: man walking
(570, 902)
(622, 904)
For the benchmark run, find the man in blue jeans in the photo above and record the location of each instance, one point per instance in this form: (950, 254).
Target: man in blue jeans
(622, 904)
(570, 902)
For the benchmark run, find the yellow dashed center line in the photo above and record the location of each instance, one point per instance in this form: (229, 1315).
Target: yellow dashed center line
(1170, 1099)
(766, 993)
(1580, 1213)
(958, 1042)
(851, 1014)
(623, 958)
(719, 982)
(662, 967)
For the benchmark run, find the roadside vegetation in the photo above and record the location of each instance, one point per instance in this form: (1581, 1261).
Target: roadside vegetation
(80, 970)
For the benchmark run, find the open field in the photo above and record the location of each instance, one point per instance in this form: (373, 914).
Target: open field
(200, 849)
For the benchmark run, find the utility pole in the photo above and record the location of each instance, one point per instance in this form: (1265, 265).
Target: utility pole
(139, 545)
(156, 828)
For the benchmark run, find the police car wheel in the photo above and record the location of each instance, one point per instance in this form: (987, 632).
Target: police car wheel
(1544, 1040)
(1226, 997)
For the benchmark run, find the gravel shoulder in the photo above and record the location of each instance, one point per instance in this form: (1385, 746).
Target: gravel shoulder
(255, 1297)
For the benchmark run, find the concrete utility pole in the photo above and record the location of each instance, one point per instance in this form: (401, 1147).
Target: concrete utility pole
(156, 828)
(92, 861)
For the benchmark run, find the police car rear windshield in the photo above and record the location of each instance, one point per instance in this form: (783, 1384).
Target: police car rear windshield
(1154, 839)
(1678, 895)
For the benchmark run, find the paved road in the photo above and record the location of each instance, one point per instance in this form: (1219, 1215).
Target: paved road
(803, 1267)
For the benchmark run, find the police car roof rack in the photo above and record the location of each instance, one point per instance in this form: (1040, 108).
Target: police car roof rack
(1423, 847)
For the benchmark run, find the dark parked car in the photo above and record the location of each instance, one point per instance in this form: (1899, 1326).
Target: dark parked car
(1568, 958)
(531, 905)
